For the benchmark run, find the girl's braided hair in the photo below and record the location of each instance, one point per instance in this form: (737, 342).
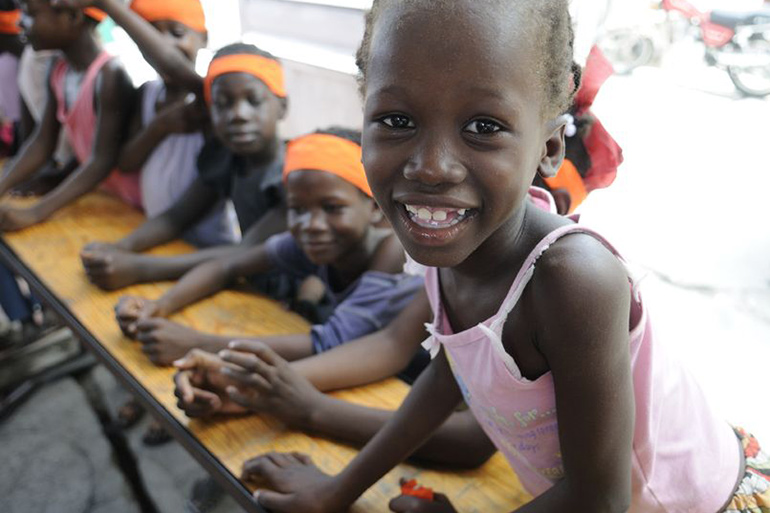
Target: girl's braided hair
(553, 37)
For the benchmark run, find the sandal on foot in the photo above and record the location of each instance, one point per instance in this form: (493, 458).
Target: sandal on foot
(156, 435)
(129, 414)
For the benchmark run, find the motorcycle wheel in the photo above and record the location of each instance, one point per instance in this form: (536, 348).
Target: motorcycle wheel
(627, 50)
(752, 80)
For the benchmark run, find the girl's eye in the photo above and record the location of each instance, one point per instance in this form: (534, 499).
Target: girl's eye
(482, 126)
(397, 121)
(333, 209)
(255, 101)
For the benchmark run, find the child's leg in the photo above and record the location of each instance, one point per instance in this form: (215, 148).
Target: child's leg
(15, 305)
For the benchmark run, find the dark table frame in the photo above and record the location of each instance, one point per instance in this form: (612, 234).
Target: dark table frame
(197, 450)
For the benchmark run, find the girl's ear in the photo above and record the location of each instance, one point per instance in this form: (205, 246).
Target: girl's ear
(553, 150)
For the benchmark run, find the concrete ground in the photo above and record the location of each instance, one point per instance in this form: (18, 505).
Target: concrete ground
(689, 209)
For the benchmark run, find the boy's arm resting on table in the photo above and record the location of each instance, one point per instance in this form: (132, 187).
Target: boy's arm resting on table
(165, 58)
(371, 358)
(192, 206)
(36, 151)
(592, 376)
(213, 276)
(301, 487)
(113, 88)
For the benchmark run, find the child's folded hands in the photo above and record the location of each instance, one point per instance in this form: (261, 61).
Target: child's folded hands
(266, 383)
(200, 385)
(131, 309)
(109, 267)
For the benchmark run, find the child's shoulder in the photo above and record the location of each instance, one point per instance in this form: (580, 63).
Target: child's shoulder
(578, 274)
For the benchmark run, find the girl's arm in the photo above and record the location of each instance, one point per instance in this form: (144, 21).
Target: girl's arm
(588, 354)
(113, 89)
(213, 276)
(36, 151)
(165, 58)
(301, 487)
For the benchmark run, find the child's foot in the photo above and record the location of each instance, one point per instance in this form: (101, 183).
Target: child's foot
(156, 435)
(129, 414)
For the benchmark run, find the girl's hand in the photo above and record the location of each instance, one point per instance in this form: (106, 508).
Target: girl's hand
(267, 384)
(183, 117)
(130, 309)
(109, 267)
(297, 483)
(199, 385)
(164, 341)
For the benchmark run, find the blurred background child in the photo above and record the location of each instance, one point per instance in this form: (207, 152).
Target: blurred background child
(90, 96)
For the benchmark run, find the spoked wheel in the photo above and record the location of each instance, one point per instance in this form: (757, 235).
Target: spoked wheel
(627, 50)
(754, 80)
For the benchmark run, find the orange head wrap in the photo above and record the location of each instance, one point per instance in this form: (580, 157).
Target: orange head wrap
(95, 13)
(9, 22)
(569, 178)
(265, 69)
(326, 152)
(186, 12)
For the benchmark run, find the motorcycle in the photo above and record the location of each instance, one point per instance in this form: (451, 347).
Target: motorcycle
(738, 42)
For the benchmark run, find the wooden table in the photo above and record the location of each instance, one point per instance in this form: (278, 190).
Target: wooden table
(47, 256)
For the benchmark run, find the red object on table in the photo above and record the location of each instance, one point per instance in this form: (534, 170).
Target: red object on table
(411, 488)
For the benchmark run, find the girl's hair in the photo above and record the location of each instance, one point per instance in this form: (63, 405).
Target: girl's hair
(243, 48)
(552, 36)
(343, 133)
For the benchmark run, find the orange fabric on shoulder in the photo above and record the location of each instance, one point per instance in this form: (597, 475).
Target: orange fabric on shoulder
(95, 13)
(569, 178)
(186, 12)
(326, 152)
(9, 22)
(265, 69)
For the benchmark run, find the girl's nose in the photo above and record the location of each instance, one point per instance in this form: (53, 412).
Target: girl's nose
(315, 221)
(435, 163)
(240, 111)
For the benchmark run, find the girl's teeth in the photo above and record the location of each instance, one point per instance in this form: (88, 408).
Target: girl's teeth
(424, 214)
(439, 215)
(461, 212)
(411, 209)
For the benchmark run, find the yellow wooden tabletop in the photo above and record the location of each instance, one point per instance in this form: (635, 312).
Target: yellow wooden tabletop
(50, 251)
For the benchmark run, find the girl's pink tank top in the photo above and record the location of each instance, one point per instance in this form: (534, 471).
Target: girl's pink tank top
(685, 459)
(79, 122)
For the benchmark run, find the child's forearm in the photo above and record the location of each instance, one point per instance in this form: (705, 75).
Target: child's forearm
(431, 401)
(459, 441)
(202, 281)
(136, 151)
(33, 157)
(153, 232)
(165, 58)
(81, 181)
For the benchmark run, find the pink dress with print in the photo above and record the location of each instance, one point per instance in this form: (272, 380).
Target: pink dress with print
(685, 459)
(79, 121)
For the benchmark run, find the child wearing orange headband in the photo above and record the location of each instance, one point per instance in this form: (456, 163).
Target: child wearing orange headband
(332, 235)
(93, 114)
(240, 161)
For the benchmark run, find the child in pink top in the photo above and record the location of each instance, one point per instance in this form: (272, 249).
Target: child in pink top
(536, 322)
(90, 96)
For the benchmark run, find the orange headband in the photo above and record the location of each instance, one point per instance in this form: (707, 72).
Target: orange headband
(95, 13)
(267, 70)
(569, 178)
(186, 12)
(9, 22)
(326, 152)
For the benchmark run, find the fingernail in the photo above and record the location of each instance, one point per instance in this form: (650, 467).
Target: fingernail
(224, 353)
(178, 362)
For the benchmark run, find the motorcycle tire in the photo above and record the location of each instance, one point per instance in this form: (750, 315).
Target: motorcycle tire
(750, 87)
(627, 50)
